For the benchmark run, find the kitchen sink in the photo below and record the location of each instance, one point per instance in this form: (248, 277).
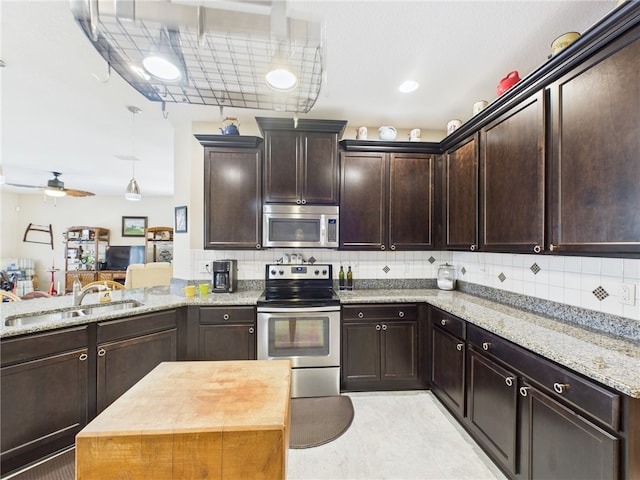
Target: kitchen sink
(71, 312)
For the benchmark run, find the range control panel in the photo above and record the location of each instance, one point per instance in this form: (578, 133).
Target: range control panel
(318, 271)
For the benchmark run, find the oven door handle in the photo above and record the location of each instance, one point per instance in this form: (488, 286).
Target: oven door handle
(297, 309)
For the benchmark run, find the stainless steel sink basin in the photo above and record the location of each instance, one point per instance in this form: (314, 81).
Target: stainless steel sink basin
(71, 312)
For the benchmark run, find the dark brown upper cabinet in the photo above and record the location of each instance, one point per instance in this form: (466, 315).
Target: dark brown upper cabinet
(461, 195)
(301, 162)
(386, 200)
(595, 175)
(512, 179)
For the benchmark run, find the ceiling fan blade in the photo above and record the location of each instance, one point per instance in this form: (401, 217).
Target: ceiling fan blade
(20, 185)
(78, 193)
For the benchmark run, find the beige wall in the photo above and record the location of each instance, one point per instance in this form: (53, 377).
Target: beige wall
(20, 210)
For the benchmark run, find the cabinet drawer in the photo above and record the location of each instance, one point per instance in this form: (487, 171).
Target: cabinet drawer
(450, 323)
(374, 312)
(563, 384)
(135, 326)
(15, 350)
(213, 315)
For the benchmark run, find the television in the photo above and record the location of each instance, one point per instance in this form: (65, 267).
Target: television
(119, 257)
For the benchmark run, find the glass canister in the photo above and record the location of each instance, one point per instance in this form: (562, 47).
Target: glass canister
(446, 277)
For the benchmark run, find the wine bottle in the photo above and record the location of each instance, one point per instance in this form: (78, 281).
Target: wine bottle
(341, 278)
(349, 279)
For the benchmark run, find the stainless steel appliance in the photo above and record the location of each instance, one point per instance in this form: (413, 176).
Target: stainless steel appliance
(299, 320)
(224, 276)
(300, 226)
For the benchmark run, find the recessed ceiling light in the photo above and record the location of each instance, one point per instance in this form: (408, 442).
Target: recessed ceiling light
(281, 79)
(408, 86)
(161, 67)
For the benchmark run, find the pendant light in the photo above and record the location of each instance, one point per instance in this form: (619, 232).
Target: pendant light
(133, 189)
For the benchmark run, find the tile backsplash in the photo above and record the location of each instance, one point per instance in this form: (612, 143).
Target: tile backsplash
(587, 282)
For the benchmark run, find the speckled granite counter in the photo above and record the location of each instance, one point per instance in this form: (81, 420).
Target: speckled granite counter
(610, 360)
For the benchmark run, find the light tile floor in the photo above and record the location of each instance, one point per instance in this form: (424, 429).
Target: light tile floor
(396, 435)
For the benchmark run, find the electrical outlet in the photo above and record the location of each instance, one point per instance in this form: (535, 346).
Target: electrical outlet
(627, 294)
(203, 266)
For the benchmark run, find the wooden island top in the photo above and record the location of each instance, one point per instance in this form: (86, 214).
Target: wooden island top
(193, 420)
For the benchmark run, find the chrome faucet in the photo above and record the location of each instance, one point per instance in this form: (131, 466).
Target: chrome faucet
(77, 299)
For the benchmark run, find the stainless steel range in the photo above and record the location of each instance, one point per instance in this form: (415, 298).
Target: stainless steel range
(299, 320)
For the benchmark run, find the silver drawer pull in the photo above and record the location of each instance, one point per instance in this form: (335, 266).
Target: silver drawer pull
(443, 322)
(378, 327)
(509, 381)
(384, 327)
(401, 314)
(225, 316)
(473, 247)
(251, 329)
(561, 387)
(537, 249)
(83, 357)
(102, 352)
(459, 346)
(360, 315)
(486, 346)
(258, 246)
(382, 247)
(523, 391)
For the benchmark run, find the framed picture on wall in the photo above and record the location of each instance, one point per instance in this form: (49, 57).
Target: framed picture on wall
(134, 226)
(181, 219)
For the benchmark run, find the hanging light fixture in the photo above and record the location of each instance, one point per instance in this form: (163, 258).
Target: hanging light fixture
(133, 189)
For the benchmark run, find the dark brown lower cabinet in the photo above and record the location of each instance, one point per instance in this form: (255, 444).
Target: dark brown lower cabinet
(448, 369)
(492, 408)
(558, 443)
(44, 387)
(130, 348)
(381, 347)
(227, 333)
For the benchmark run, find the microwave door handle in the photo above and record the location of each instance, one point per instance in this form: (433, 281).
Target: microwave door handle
(323, 230)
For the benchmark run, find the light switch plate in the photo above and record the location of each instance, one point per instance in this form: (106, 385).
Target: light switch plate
(627, 293)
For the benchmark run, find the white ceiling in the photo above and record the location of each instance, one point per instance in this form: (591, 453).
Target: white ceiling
(58, 115)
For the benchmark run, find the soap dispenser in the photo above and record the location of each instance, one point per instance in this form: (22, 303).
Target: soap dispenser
(446, 277)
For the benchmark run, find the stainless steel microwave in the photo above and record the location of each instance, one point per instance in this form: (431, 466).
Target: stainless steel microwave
(300, 226)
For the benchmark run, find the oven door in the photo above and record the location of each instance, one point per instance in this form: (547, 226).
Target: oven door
(308, 336)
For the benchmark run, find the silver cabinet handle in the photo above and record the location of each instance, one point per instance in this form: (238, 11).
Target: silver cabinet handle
(384, 327)
(509, 381)
(83, 357)
(552, 247)
(226, 316)
(486, 346)
(304, 202)
(298, 202)
(258, 246)
(393, 247)
(251, 329)
(523, 391)
(459, 346)
(473, 247)
(537, 249)
(378, 327)
(360, 315)
(401, 314)
(561, 387)
(382, 247)
(443, 322)
(102, 352)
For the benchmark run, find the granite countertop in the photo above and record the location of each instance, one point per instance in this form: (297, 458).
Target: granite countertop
(613, 361)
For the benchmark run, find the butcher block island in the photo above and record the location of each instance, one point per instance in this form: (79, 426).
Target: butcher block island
(193, 420)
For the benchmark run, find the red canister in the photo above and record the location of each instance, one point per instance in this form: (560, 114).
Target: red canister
(507, 82)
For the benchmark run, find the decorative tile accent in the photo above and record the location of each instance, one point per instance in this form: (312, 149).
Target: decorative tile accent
(311, 260)
(502, 277)
(386, 269)
(463, 270)
(431, 260)
(535, 268)
(600, 293)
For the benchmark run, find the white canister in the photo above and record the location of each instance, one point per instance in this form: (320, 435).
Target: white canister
(479, 106)
(361, 133)
(415, 135)
(446, 277)
(452, 126)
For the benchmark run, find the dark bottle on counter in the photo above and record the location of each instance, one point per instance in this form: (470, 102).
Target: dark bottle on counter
(349, 279)
(341, 278)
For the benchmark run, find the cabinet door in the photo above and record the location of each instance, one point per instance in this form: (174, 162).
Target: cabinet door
(411, 197)
(123, 363)
(44, 405)
(320, 168)
(558, 443)
(461, 196)
(282, 170)
(596, 154)
(492, 408)
(227, 342)
(232, 198)
(360, 354)
(363, 201)
(447, 369)
(512, 179)
(399, 352)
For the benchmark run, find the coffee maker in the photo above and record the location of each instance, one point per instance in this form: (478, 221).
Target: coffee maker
(225, 276)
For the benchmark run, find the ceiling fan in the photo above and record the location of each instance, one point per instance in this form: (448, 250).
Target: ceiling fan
(55, 188)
